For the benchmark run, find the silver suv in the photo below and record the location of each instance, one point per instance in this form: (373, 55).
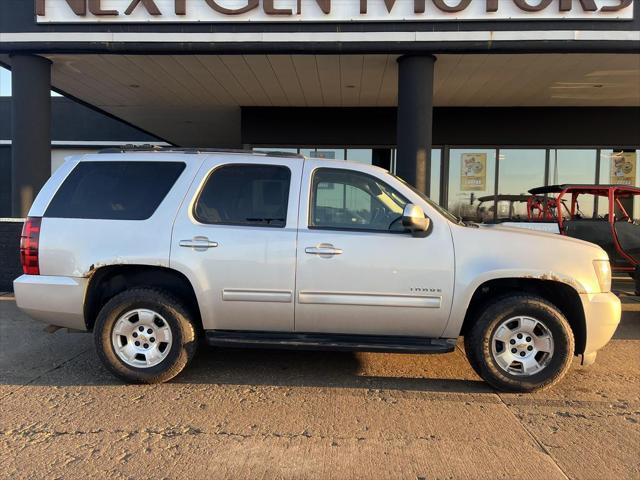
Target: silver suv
(156, 251)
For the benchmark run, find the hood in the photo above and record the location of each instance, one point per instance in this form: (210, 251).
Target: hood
(540, 238)
(529, 233)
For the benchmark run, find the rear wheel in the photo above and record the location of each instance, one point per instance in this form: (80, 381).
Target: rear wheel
(520, 343)
(144, 335)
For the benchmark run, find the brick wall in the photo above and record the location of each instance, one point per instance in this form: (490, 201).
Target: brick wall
(10, 267)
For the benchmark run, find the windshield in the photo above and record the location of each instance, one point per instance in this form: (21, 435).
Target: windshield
(443, 211)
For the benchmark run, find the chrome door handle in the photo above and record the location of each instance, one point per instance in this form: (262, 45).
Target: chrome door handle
(324, 249)
(198, 243)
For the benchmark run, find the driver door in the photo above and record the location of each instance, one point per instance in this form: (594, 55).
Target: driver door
(358, 271)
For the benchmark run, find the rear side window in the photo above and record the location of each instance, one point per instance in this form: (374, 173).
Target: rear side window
(255, 195)
(114, 190)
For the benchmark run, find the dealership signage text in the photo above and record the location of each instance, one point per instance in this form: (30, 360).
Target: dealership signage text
(332, 10)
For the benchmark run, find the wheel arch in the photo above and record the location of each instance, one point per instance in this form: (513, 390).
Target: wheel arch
(108, 281)
(562, 296)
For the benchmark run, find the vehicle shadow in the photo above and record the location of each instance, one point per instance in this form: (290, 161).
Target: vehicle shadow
(284, 368)
(448, 373)
(314, 369)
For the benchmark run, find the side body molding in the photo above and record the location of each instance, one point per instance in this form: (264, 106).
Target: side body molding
(366, 299)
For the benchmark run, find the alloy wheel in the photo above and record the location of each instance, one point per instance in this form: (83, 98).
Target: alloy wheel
(522, 346)
(141, 338)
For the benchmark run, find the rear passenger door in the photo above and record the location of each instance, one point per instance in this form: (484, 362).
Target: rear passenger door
(235, 239)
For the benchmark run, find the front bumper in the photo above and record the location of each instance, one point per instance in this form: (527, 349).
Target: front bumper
(54, 300)
(602, 312)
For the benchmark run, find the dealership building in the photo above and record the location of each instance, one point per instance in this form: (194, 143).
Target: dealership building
(463, 98)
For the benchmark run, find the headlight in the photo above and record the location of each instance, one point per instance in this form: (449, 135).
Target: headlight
(603, 272)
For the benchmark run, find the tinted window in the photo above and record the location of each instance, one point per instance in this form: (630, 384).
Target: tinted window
(114, 190)
(351, 200)
(245, 195)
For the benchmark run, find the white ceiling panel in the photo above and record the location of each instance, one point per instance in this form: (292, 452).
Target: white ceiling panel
(191, 85)
(285, 72)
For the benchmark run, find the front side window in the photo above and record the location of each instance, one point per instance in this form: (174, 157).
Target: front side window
(344, 199)
(255, 195)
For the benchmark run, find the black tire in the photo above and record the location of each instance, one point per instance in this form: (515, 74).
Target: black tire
(477, 343)
(184, 335)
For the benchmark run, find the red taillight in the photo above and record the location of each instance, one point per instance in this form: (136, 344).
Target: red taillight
(29, 246)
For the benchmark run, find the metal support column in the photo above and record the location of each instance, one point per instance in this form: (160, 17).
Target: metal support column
(31, 129)
(415, 119)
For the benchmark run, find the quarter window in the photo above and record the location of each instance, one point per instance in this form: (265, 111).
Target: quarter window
(245, 195)
(343, 199)
(114, 190)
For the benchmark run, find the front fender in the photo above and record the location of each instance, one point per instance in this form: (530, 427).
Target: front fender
(485, 254)
(467, 285)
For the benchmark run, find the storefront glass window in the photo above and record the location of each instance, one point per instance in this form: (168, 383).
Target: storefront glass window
(436, 167)
(436, 161)
(360, 155)
(577, 167)
(328, 153)
(519, 171)
(5, 82)
(572, 166)
(471, 176)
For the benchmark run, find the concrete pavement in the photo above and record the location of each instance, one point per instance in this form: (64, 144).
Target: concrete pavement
(283, 414)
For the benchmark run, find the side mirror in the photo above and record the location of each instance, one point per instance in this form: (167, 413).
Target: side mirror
(415, 221)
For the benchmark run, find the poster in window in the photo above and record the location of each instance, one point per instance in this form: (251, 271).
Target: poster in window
(623, 168)
(473, 174)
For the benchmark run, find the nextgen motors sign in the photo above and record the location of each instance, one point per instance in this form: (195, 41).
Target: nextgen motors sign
(211, 11)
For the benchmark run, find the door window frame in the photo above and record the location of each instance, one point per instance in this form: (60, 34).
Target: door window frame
(312, 196)
(236, 224)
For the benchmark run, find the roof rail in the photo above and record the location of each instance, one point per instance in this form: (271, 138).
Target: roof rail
(156, 148)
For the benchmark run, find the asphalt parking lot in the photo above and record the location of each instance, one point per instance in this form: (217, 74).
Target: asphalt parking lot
(283, 414)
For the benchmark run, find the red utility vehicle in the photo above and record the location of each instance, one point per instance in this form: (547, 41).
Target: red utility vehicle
(608, 223)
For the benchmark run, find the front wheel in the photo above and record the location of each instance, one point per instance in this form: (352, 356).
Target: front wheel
(144, 335)
(520, 343)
